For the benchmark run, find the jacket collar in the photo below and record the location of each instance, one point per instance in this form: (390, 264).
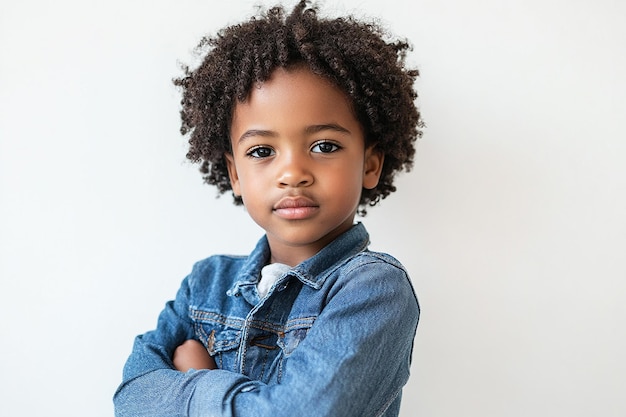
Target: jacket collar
(313, 271)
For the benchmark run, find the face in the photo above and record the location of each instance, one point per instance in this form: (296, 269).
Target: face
(299, 162)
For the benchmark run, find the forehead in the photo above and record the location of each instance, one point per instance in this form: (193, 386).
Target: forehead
(294, 96)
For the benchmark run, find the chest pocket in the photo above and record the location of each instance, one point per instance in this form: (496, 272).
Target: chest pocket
(294, 333)
(221, 335)
(269, 347)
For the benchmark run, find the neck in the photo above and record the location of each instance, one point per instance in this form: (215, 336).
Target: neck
(291, 253)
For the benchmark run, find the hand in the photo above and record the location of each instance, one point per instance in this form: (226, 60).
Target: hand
(192, 354)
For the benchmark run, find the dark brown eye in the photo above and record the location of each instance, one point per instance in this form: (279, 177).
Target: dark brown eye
(325, 147)
(260, 152)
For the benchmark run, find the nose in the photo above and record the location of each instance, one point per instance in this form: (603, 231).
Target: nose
(294, 171)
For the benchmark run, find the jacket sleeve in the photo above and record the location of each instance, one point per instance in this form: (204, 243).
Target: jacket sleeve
(354, 360)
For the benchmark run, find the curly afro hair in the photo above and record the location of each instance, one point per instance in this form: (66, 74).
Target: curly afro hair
(353, 55)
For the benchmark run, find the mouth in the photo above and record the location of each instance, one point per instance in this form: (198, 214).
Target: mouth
(295, 208)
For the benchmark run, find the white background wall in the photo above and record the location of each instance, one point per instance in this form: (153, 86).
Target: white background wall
(512, 223)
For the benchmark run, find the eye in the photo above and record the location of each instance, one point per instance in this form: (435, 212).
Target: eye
(260, 152)
(325, 147)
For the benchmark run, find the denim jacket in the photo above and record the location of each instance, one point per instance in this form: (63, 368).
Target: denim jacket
(333, 337)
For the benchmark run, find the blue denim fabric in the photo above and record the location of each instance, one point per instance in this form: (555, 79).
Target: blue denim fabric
(333, 337)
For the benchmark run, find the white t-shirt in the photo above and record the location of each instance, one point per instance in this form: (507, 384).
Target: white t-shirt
(269, 275)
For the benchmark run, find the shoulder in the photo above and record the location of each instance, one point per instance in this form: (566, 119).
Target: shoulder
(379, 272)
(373, 284)
(371, 257)
(375, 263)
(216, 270)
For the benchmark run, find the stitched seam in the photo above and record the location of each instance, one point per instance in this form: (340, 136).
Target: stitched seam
(388, 403)
(209, 317)
(293, 324)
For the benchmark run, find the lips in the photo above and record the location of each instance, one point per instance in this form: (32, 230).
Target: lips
(295, 208)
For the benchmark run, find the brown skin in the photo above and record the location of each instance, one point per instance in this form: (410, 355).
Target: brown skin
(299, 162)
(192, 354)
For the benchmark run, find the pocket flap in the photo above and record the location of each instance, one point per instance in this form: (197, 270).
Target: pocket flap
(216, 331)
(295, 331)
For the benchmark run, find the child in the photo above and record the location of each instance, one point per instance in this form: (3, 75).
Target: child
(306, 120)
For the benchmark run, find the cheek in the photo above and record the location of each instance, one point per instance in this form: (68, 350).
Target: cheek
(346, 180)
(252, 186)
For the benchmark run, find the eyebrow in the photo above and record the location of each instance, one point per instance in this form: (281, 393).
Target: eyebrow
(308, 130)
(256, 132)
(329, 126)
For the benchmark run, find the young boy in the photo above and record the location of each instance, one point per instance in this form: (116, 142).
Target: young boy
(306, 120)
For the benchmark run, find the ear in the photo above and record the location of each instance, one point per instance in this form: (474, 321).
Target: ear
(372, 167)
(232, 174)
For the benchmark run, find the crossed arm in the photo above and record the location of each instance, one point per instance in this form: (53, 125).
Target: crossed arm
(364, 379)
